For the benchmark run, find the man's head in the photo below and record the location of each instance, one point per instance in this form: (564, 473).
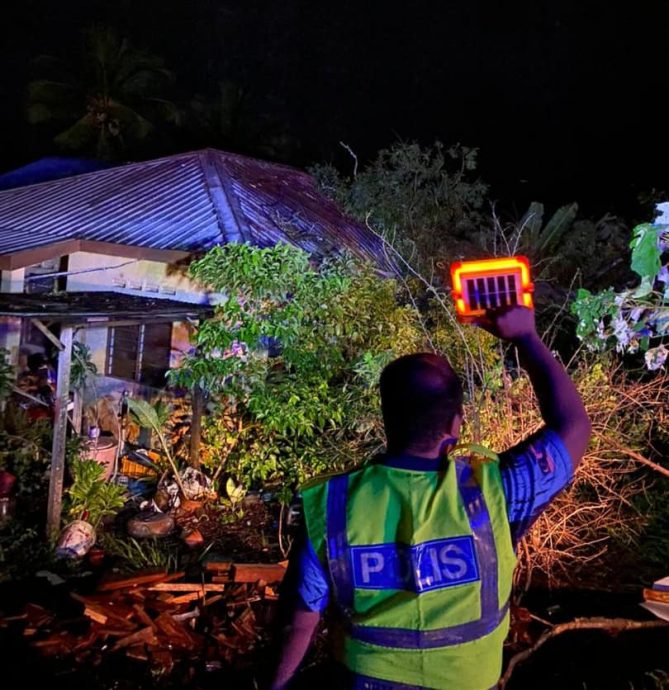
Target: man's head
(421, 400)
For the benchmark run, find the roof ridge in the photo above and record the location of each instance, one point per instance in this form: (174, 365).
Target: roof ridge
(229, 223)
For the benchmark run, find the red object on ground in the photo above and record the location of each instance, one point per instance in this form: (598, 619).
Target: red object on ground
(38, 412)
(7, 481)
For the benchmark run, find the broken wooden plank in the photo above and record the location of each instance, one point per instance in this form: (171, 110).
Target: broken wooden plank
(220, 579)
(37, 615)
(185, 598)
(107, 631)
(230, 641)
(111, 606)
(245, 626)
(218, 566)
(138, 652)
(13, 619)
(143, 616)
(146, 578)
(256, 572)
(143, 635)
(96, 615)
(103, 613)
(177, 635)
(187, 587)
(212, 600)
(85, 641)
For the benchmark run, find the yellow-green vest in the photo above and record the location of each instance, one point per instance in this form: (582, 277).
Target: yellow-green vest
(421, 566)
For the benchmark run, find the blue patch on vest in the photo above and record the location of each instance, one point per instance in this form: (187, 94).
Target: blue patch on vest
(419, 568)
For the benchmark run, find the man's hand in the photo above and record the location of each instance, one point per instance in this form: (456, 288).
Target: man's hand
(510, 323)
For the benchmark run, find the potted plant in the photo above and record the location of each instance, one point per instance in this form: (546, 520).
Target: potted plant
(90, 500)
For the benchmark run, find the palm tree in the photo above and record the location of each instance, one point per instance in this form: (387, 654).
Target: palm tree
(230, 121)
(109, 103)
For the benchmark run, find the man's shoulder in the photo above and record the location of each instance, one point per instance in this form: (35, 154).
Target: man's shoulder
(544, 448)
(322, 479)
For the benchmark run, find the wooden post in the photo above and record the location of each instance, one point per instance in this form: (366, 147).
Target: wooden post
(77, 411)
(196, 427)
(59, 433)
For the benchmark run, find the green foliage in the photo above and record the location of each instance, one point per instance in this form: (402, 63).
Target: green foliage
(23, 549)
(293, 356)
(646, 252)
(90, 497)
(149, 416)
(590, 310)
(327, 328)
(634, 319)
(25, 450)
(228, 119)
(539, 239)
(106, 104)
(427, 197)
(232, 501)
(155, 417)
(82, 369)
(132, 554)
(6, 374)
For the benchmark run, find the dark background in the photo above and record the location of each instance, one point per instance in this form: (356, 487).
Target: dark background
(564, 99)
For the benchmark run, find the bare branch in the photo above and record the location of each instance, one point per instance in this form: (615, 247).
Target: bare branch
(610, 625)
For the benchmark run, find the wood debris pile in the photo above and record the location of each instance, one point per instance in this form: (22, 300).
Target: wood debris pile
(162, 619)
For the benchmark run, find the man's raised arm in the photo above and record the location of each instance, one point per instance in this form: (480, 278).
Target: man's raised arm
(561, 406)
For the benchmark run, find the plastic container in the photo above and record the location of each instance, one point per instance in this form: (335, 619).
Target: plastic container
(102, 450)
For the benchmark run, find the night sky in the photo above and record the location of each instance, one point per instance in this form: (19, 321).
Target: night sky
(564, 99)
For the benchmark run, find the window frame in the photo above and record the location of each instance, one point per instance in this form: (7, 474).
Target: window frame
(140, 342)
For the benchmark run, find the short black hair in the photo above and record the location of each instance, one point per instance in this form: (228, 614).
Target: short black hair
(420, 397)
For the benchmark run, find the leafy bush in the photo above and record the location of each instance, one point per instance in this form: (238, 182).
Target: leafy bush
(6, 374)
(427, 197)
(636, 319)
(293, 357)
(90, 497)
(132, 554)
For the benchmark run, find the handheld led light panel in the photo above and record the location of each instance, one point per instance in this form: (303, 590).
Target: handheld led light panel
(490, 284)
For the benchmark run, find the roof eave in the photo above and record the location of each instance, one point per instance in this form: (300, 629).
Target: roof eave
(35, 255)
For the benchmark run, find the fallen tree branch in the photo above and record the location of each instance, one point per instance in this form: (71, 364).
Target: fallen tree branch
(635, 456)
(611, 625)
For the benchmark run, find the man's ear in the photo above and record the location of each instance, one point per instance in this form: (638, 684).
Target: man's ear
(456, 425)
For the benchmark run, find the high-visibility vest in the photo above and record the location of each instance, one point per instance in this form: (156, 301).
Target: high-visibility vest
(421, 566)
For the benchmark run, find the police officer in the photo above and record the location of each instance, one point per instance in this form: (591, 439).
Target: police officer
(416, 550)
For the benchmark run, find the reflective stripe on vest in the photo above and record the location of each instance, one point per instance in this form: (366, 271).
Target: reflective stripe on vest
(360, 682)
(339, 561)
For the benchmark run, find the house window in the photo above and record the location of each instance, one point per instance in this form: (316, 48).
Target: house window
(140, 353)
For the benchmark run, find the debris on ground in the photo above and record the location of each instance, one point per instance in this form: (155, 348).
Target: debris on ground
(161, 619)
(656, 598)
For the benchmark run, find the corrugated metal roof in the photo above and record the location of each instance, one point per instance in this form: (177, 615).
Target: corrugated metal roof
(185, 202)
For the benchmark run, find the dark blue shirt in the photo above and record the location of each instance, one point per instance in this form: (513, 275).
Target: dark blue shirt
(533, 472)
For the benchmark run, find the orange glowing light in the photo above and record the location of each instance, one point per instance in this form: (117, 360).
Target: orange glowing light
(490, 283)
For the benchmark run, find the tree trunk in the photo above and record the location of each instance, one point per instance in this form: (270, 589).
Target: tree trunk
(196, 427)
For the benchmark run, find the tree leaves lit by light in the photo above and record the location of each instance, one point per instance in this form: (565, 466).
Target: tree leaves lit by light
(635, 319)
